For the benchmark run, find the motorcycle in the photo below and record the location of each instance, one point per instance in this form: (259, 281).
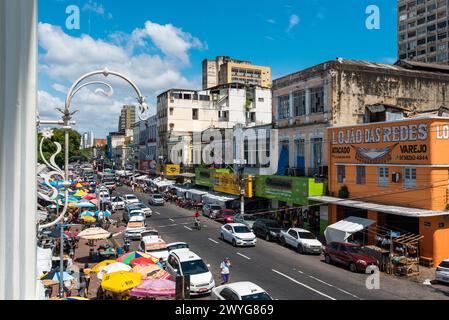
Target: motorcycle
(197, 224)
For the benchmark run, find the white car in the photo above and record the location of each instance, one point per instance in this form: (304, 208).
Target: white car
(154, 246)
(177, 246)
(442, 272)
(187, 263)
(243, 290)
(238, 234)
(118, 203)
(302, 240)
(130, 198)
(136, 226)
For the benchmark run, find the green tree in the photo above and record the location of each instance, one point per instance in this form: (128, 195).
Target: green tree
(49, 148)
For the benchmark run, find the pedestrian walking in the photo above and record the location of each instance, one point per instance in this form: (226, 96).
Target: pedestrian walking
(133, 187)
(87, 271)
(225, 271)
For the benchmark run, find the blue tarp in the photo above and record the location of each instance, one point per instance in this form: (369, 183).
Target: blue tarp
(283, 163)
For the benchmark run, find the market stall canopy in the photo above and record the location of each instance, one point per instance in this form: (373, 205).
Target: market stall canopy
(85, 205)
(122, 281)
(162, 183)
(218, 198)
(97, 268)
(142, 178)
(94, 234)
(111, 268)
(343, 229)
(154, 289)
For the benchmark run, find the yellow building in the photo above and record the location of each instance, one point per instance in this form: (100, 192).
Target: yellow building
(224, 70)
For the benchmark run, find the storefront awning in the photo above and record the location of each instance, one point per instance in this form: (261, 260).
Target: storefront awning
(397, 210)
(343, 229)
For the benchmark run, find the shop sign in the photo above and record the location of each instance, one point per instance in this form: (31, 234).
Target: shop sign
(288, 189)
(204, 177)
(229, 183)
(172, 169)
(384, 143)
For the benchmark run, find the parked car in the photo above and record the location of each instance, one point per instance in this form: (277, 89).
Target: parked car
(130, 198)
(226, 216)
(268, 229)
(110, 185)
(135, 227)
(118, 203)
(246, 219)
(156, 200)
(238, 234)
(154, 246)
(140, 206)
(211, 210)
(302, 240)
(442, 272)
(183, 263)
(350, 255)
(103, 195)
(132, 211)
(177, 246)
(243, 290)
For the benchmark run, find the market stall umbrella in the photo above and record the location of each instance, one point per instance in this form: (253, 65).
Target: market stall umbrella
(111, 268)
(88, 219)
(85, 205)
(55, 275)
(90, 196)
(78, 186)
(127, 257)
(152, 271)
(87, 214)
(143, 261)
(106, 213)
(119, 282)
(97, 268)
(154, 289)
(94, 234)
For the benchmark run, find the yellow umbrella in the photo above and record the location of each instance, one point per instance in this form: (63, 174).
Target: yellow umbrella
(78, 186)
(88, 219)
(101, 265)
(119, 282)
(80, 193)
(72, 205)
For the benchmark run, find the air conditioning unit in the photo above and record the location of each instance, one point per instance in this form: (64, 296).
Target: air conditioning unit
(395, 177)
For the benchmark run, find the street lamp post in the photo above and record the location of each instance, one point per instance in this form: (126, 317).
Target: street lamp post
(66, 124)
(240, 164)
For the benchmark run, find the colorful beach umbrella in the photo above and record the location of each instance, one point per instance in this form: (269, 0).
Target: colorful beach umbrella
(85, 205)
(106, 213)
(143, 261)
(127, 257)
(155, 289)
(119, 282)
(152, 271)
(87, 214)
(88, 219)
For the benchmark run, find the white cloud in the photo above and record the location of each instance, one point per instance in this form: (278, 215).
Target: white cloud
(97, 8)
(64, 59)
(293, 22)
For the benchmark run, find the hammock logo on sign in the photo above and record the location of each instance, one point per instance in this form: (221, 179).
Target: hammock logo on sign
(368, 155)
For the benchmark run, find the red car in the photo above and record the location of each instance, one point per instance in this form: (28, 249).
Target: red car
(225, 216)
(350, 255)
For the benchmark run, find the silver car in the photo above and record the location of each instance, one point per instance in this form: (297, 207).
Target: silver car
(156, 200)
(442, 272)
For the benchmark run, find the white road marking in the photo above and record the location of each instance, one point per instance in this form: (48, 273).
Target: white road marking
(187, 228)
(213, 240)
(157, 213)
(331, 285)
(242, 255)
(302, 284)
(171, 220)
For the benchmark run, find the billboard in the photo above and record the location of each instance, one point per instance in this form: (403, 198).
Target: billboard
(230, 183)
(294, 190)
(172, 170)
(204, 177)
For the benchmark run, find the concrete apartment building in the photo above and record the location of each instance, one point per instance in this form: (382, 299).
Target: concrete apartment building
(347, 92)
(127, 118)
(224, 70)
(423, 30)
(181, 113)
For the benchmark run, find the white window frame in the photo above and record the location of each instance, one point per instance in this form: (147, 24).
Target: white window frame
(383, 176)
(409, 181)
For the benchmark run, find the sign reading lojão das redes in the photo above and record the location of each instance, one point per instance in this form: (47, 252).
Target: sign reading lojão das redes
(413, 141)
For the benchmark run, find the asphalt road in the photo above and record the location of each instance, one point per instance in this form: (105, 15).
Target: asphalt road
(281, 271)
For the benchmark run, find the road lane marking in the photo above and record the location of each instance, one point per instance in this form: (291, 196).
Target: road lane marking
(331, 285)
(304, 285)
(171, 220)
(213, 240)
(157, 212)
(188, 228)
(242, 255)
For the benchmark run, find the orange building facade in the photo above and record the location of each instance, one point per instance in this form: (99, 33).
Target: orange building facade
(395, 173)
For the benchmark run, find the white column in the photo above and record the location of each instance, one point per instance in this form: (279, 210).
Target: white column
(18, 99)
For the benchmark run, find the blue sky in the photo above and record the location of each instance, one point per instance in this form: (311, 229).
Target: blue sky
(286, 35)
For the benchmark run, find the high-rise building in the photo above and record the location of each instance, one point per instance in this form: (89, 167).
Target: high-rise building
(127, 118)
(423, 30)
(87, 140)
(224, 70)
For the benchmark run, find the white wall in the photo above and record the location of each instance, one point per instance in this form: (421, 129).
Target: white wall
(18, 98)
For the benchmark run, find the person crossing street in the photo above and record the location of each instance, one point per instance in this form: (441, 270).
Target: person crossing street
(225, 271)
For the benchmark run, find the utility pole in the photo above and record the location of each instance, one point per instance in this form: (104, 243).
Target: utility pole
(240, 164)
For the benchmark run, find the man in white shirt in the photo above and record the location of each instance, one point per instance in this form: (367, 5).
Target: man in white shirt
(225, 270)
